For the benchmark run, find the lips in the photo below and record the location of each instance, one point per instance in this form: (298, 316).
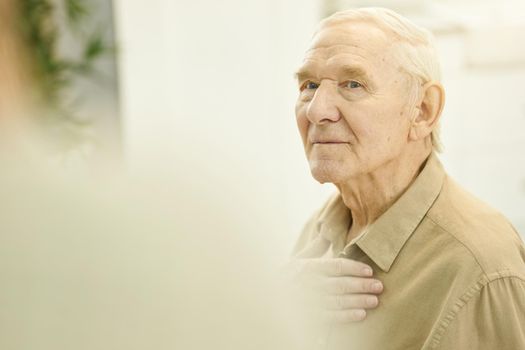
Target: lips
(327, 142)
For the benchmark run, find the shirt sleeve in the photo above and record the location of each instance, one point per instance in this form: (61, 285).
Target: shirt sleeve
(492, 319)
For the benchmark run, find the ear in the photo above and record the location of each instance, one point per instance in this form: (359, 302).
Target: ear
(429, 109)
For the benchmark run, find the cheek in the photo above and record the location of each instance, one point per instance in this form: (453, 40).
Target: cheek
(378, 125)
(395, 130)
(361, 121)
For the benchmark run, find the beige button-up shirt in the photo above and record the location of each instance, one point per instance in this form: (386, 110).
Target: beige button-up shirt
(453, 270)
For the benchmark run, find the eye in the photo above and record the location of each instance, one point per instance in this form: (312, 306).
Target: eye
(309, 85)
(352, 84)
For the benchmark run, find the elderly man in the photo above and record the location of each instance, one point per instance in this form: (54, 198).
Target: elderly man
(405, 258)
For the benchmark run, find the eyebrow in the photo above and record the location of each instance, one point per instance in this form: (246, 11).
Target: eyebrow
(347, 71)
(302, 74)
(353, 71)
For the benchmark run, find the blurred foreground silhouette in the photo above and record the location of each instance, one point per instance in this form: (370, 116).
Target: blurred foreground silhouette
(131, 266)
(122, 262)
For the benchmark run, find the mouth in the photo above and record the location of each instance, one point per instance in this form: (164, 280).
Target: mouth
(328, 142)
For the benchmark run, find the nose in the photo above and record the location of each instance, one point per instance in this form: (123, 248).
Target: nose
(322, 107)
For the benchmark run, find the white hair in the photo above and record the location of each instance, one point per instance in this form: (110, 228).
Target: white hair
(414, 44)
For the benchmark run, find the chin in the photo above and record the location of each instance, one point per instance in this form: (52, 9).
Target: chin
(328, 172)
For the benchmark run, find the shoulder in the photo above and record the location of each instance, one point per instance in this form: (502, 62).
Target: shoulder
(487, 316)
(481, 247)
(481, 231)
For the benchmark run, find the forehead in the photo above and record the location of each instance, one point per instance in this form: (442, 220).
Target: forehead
(357, 43)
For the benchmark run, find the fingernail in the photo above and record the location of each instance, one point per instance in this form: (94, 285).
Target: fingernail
(371, 301)
(367, 271)
(377, 286)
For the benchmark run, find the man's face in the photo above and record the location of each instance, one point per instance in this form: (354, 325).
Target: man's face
(353, 110)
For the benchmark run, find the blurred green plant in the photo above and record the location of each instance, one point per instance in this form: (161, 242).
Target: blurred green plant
(53, 72)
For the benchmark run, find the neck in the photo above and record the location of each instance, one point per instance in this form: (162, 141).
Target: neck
(369, 195)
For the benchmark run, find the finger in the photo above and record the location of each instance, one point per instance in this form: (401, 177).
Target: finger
(338, 267)
(350, 285)
(316, 248)
(345, 316)
(351, 301)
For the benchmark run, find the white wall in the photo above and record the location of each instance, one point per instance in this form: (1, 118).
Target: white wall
(207, 89)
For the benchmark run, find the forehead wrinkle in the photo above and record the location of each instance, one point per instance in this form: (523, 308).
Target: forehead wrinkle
(329, 48)
(334, 53)
(329, 44)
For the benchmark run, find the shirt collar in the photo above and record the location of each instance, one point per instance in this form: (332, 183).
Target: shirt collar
(384, 239)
